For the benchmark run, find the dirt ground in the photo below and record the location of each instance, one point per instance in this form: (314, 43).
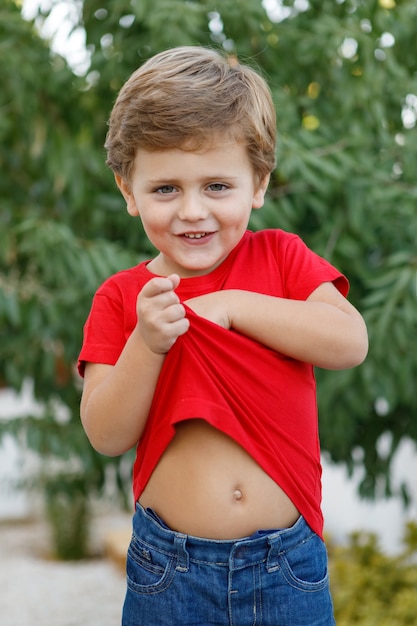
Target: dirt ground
(36, 590)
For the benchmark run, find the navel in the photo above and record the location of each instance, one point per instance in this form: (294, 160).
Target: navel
(237, 495)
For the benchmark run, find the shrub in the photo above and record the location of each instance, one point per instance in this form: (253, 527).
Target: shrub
(371, 588)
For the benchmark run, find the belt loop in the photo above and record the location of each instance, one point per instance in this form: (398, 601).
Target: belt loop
(275, 548)
(182, 554)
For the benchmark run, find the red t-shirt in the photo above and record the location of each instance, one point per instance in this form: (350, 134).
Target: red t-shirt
(262, 399)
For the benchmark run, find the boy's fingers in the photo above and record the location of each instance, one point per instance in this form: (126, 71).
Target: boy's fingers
(175, 280)
(174, 312)
(160, 284)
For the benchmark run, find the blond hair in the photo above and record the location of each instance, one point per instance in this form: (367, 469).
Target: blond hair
(183, 98)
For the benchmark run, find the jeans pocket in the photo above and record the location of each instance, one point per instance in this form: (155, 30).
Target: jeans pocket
(305, 566)
(148, 570)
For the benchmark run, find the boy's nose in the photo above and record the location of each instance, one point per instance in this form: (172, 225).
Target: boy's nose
(192, 209)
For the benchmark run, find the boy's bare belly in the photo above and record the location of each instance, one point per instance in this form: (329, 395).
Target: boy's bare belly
(206, 485)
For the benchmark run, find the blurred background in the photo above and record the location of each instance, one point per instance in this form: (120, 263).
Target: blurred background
(343, 74)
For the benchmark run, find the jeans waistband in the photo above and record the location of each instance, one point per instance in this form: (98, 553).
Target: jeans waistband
(234, 553)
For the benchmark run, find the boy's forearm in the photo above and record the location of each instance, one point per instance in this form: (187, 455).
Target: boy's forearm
(115, 406)
(316, 332)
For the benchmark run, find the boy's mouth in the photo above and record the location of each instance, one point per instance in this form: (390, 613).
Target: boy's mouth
(195, 235)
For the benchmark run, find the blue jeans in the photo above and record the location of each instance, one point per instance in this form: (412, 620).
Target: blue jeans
(274, 579)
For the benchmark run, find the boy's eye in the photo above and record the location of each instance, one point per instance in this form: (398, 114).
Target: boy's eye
(165, 189)
(217, 187)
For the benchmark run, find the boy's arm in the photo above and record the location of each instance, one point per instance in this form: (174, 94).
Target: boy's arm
(116, 399)
(324, 330)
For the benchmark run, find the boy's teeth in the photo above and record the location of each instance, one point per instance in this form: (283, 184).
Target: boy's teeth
(195, 235)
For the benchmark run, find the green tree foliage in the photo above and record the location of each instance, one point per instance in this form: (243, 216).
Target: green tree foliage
(344, 80)
(50, 186)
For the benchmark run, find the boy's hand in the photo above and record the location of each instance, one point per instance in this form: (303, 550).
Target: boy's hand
(161, 315)
(214, 306)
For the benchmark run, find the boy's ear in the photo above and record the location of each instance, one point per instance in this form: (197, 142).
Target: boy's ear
(126, 191)
(259, 195)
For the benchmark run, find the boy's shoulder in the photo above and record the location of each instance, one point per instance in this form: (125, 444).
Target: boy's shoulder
(125, 280)
(272, 234)
(272, 238)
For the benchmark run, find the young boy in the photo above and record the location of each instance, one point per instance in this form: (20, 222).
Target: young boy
(203, 357)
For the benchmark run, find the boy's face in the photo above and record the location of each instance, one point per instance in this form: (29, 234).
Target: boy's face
(194, 206)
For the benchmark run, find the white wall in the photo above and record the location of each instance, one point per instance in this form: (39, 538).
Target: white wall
(14, 502)
(343, 511)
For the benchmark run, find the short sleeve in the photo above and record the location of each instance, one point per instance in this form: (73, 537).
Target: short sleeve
(304, 271)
